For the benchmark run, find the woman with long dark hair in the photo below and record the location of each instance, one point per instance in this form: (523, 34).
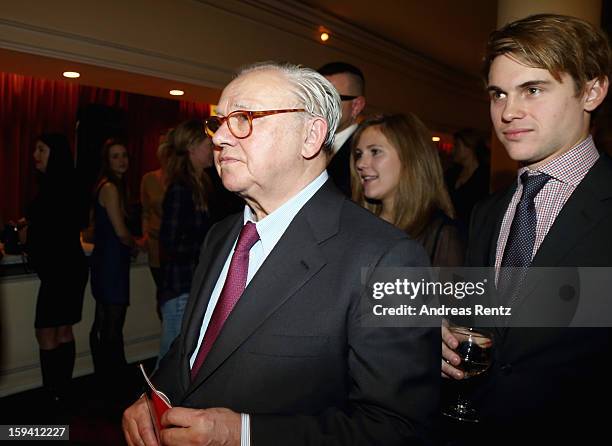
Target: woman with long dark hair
(55, 252)
(396, 174)
(187, 152)
(110, 261)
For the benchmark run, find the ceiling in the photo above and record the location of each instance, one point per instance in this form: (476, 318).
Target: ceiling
(452, 33)
(465, 24)
(95, 76)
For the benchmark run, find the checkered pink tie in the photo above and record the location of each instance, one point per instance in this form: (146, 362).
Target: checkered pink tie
(233, 287)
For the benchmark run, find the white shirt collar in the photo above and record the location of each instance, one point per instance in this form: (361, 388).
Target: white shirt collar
(341, 137)
(273, 226)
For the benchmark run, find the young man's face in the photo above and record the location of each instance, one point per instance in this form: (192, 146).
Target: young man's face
(536, 117)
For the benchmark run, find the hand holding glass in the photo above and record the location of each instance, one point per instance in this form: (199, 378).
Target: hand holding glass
(475, 350)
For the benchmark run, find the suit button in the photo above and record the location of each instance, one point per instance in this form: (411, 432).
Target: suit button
(506, 369)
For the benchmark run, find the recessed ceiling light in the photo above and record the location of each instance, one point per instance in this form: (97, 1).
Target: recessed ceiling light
(324, 33)
(177, 92)
(71, 74)
(435, 138)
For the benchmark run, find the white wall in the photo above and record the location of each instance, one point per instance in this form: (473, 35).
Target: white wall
(19, 361)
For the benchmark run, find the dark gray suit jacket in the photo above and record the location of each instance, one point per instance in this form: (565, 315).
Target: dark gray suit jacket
(294, 354)
(555, 380)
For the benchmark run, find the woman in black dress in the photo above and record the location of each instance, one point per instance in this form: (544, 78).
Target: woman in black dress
(55, 252)
(110, 262)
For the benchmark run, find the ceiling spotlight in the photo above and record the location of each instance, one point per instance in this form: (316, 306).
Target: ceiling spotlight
(435, 138)
(177, 92)
(71, 74)
(324, 33)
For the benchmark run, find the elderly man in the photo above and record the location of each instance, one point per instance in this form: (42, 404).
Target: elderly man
(288, 360)
(546, 75)
(350, 84)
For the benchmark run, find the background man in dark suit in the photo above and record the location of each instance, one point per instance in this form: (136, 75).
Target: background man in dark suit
(293, 362)
(350, 83)
(546, 75)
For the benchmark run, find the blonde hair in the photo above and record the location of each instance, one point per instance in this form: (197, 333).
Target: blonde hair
(557, 43)
(174, 155)
(421, 189)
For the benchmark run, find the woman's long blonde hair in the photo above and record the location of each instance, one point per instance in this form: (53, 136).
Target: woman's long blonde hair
(174, 156)
(421, 189)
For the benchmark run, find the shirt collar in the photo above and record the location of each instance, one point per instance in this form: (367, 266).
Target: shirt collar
(572, 166)
(341, 137)
(273, 226)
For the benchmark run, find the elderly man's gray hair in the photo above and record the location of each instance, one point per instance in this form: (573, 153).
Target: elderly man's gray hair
(317, 95)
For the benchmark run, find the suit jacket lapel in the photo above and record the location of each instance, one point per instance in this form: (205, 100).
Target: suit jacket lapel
(489, 234)
(293, 262)
(494, 223)
(205, 280)
(581, 213)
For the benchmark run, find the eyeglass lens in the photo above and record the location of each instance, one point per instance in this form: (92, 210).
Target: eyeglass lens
(238, 122)
(212, 125)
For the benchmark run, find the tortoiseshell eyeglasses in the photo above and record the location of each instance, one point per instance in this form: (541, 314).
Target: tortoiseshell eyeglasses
(240, 122)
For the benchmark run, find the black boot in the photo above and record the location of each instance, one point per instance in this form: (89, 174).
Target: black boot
(51, 369)
(94, 347)
(116, 373)
(66, 357)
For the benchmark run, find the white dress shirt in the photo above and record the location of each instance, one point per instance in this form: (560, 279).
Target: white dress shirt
(270, 229)
(341, 137)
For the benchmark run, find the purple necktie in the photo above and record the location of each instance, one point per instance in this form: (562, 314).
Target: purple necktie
(234, 285)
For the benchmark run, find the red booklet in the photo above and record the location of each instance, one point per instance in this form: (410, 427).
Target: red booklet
(158, 403)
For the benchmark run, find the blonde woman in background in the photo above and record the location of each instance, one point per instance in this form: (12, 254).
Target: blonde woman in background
(396, 174)
(187, 152)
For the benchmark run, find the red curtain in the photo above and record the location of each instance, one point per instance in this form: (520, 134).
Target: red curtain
(30, 106)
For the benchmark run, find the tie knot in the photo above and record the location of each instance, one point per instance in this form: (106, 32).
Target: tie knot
(532, 184)
(247, 238)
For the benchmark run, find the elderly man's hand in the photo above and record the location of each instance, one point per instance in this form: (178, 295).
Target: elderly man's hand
(201, 427)
(137, 426)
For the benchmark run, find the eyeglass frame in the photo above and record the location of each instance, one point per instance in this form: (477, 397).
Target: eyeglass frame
(347, 97)
(251, 114)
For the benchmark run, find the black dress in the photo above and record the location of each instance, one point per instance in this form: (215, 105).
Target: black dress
(468, 194)
(110, 262)
(55, 253)
(443, 241)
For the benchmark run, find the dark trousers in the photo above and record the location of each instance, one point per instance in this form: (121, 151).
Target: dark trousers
(106, 340)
